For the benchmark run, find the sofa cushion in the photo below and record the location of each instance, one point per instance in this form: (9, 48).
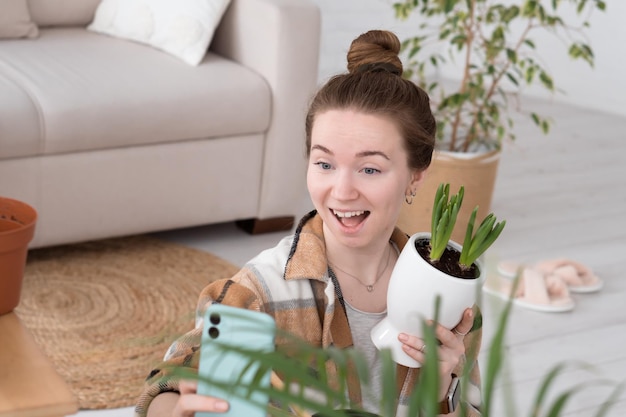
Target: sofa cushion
(62, 12)
(93, 92)
(15, 21)
(181, 28)
(19, 124)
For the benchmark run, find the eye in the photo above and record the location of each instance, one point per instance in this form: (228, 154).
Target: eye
(371, 171)
(323, 165)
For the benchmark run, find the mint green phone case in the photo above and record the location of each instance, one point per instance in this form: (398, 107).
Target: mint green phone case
(230, 326)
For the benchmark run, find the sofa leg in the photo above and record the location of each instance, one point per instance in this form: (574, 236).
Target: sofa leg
(274, 224)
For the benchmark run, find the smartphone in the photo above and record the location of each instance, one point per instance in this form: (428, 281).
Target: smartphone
(224, 327)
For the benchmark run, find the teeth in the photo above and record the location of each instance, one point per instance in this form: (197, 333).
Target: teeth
(347, 213)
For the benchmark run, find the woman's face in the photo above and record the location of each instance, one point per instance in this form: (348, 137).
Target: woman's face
(358, 175)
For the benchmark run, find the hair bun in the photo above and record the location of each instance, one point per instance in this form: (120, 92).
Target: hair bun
(375, 50)
(378, 67)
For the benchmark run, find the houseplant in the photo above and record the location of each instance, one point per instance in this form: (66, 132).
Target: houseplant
(17, 228)
(431, 266)
(490, 48)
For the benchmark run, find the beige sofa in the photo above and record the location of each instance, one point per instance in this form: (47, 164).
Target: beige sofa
(107, 137)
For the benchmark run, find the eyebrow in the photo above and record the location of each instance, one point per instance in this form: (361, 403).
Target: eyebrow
(359, 155)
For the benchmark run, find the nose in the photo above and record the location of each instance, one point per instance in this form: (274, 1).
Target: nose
(344, 187)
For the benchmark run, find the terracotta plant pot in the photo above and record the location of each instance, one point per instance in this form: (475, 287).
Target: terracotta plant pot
(413, 289)
(17, 228)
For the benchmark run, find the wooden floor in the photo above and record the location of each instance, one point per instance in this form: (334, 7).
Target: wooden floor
(562, 195)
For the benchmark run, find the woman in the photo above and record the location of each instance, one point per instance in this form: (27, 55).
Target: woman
(370, 138)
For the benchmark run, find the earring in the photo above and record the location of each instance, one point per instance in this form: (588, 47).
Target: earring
(409, 197)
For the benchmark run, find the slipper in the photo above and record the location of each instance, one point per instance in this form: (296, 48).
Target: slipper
(578, 277)
(546, 293)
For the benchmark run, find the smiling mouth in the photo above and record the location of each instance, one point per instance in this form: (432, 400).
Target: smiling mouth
(350, 218)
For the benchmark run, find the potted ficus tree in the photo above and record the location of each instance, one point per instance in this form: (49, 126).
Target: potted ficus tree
(489, 50)
(433, 266)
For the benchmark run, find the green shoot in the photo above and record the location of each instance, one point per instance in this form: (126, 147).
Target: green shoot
(487, 233)
(445, 211)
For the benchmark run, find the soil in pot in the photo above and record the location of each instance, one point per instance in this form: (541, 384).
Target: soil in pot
(449, 261)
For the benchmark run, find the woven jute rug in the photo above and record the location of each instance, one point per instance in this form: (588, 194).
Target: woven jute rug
(105, 312)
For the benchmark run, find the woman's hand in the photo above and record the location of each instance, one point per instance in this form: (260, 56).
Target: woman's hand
(190, 401)
(186, 404)
(450, 350)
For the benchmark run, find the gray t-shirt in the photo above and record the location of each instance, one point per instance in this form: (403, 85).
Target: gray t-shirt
(361, 323)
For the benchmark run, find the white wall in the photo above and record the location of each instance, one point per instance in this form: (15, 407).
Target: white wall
(602, 88)
(344, 20)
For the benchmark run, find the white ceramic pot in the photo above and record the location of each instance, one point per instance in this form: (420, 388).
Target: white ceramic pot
(413, 289)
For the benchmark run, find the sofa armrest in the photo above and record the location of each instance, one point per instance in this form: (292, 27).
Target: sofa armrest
(278, 39)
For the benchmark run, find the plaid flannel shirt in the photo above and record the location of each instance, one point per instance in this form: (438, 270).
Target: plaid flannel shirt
(291, 283)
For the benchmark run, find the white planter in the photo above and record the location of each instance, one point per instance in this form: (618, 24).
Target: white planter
(413, 288)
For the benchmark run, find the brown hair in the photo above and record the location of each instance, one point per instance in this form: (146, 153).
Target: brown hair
(374, 85)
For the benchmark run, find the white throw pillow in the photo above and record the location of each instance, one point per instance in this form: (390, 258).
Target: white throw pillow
(15, 21)
(183, 28)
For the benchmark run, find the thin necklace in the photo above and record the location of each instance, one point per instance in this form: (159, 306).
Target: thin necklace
(370, 287)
